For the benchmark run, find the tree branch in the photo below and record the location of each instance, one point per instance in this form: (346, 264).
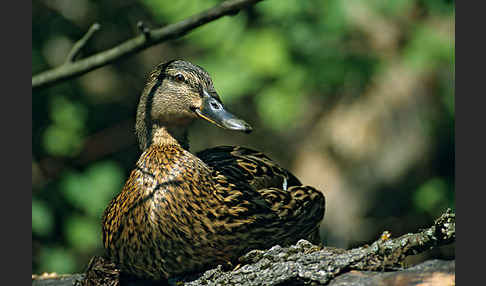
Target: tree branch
(79, 45)
(147, 39)
(305, 263)
(143, 29)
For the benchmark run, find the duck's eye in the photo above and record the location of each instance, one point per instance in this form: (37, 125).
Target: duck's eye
(179, 77)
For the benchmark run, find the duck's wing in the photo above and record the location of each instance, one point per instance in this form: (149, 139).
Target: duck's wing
(299, 208)
(253, 167)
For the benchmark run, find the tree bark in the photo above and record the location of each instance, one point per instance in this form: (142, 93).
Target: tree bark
(305, 264)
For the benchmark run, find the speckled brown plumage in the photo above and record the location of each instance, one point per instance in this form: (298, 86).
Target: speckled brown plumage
(179, 212)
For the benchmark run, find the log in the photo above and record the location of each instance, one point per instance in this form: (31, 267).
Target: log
(304, 263)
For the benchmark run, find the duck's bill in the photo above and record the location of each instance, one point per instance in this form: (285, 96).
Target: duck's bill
(213, 111)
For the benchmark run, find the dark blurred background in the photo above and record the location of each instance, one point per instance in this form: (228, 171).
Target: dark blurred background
(355, 97)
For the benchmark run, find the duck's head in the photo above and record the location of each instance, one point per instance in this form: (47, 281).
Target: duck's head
(177, 93)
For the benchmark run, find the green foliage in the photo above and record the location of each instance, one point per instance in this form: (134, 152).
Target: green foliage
(42, 218)
(433, 197)
(87, 193)
(232, 80)
(58, 259)
(280, 104)
(92, 190)
(176, 10)
(392, 8)
(449, 99)
(265, 52)
(427, 49)
(83, 233)
(64, 137)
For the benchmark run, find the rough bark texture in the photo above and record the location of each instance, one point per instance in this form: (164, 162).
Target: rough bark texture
(432, 272)
(306, 264)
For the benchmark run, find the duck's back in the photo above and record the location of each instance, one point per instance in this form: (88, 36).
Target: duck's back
(299, 208)
(253, 167)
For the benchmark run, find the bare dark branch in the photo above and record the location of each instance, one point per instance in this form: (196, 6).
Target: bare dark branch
(79, 45)
(141, 42)
(143, 29)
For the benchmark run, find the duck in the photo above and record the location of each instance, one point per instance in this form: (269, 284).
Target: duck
(181, 213)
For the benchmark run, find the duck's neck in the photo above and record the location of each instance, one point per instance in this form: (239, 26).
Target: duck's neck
(159, 135)
(164, 135)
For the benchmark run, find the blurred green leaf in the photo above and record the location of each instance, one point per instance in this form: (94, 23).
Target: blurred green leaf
(107, 179)
(438, 7)
(278, 109)
(332, 18)
(230, 78)
(42, 218)
(280, 104)
(431, 197)
(83, 233)
(64, 137)
(177, 10)
(59, 141)
(209, 36)
(280, 9)
(92, 190)
(265, 51)
(57, 259)
(428, 48)
(393, 8)
(68, 114)
(449, 100)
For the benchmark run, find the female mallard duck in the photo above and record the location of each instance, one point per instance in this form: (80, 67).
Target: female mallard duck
(179, 212)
